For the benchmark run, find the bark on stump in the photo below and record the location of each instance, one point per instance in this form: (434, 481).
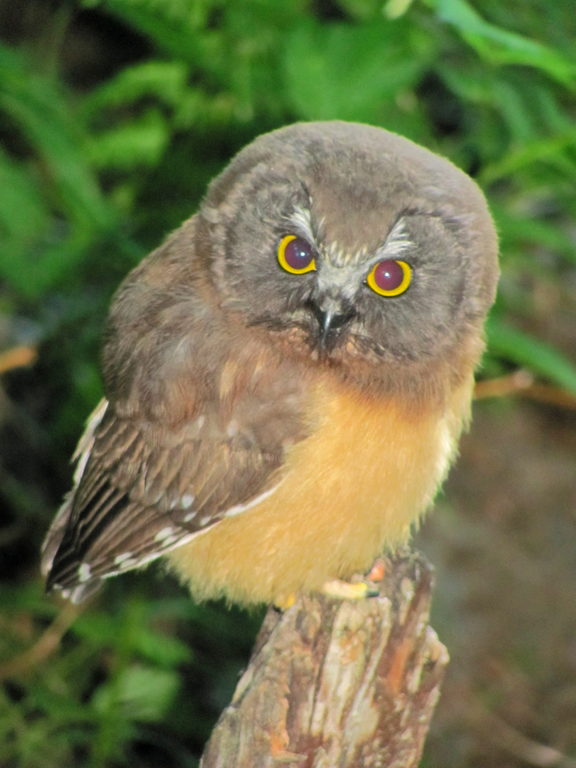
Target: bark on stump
(339, 684)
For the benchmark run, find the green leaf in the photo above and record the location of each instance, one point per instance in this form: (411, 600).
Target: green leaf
(40, 109)
(173, 26)
(347, 72)
(550, 149)
(518, 232)
(527, 351)
(162, 649)
(393, 9)
(51, 205)
(164, 81)
(362, 9)
(500, 46)
(23, 211)
(142, 693)
(130, 145)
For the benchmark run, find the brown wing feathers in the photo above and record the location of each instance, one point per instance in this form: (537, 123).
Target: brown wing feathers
(111, 526)
(146, 489)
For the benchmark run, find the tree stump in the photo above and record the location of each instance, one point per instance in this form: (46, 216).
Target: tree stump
(339, 684)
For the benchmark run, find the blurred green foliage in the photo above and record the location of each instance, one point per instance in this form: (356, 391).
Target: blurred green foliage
(114, 116)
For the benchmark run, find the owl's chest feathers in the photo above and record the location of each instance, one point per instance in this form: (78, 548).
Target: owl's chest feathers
(366, 472)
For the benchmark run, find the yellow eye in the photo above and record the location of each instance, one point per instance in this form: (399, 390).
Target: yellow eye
(295, 255)
(390, 277)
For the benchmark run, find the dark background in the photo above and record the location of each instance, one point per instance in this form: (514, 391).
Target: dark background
(113, 117)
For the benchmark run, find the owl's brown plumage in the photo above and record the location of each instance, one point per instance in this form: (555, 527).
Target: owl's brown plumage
(286, 377)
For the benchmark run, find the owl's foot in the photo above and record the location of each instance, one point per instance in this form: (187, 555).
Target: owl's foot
(359, 587)
(348, 590)
(283, 602)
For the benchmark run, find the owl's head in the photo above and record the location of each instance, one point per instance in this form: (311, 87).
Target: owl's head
(351, 245)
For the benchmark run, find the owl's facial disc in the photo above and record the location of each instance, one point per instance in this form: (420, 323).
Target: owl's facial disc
(362, 253)
(331, 285)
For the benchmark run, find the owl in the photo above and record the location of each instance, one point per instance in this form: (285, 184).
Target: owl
(287, 376)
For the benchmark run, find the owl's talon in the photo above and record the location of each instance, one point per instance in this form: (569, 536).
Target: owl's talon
(346, 590)
(283, 602)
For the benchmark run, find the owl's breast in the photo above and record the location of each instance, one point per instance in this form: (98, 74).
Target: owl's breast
(351, 489)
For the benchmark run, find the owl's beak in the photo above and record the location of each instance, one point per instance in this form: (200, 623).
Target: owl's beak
(331, 319)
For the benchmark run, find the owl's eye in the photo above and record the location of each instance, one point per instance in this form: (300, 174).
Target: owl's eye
(295, 255)
(389, 277)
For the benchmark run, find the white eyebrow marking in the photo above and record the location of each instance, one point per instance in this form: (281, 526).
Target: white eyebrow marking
(301, 220)
(396, 243)
(336, 257)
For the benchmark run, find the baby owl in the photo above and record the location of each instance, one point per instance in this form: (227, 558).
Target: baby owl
(287, 376)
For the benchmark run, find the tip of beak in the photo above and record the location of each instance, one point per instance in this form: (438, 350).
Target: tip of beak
(331, 322)
(326, 329)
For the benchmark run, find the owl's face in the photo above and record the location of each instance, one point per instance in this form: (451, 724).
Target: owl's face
(348, 243)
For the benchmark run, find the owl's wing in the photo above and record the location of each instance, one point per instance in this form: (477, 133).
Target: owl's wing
(142, 489)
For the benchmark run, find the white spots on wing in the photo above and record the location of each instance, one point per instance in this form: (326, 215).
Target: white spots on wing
(84, 572)
(169, 544)
(236, 510)
(164, 533)
(171, 537)
(239, 508)
(125, 560)
(186, 501)
(168, 536)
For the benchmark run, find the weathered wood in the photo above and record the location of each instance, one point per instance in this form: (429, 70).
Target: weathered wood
(339, 684)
